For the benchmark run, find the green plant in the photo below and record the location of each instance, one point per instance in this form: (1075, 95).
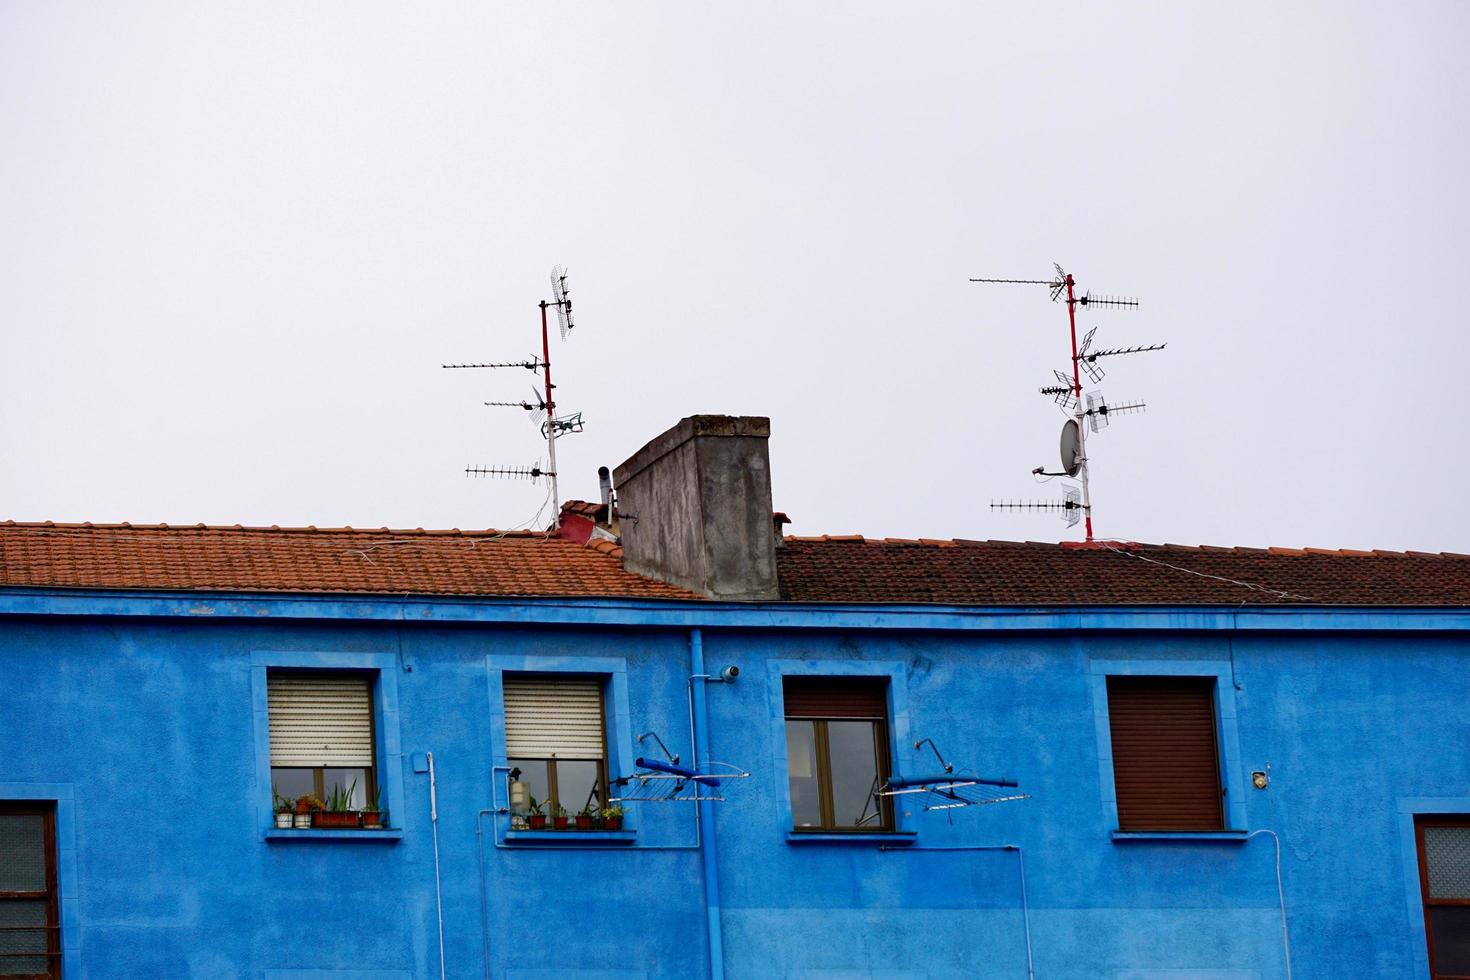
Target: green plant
(590, 810)
(612, 812)
(558, 810)
(373, 802)
(280, 804)
(536, 806)
(341, 799)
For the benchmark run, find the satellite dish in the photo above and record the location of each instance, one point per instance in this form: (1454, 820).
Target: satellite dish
(1071, 447)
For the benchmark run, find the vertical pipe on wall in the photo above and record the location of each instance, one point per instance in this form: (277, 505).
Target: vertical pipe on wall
(438, 893)
(1280, 896)
(706, 808)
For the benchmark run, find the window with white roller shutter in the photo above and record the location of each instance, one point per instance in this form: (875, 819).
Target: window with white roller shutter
(555, 735)
(321, 735)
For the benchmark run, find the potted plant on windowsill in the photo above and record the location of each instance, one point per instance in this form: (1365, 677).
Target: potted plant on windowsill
(612, 818)
(559, 817)
(587, 817)
(373, 817)
(535, 816)
(339, 814)
(284, 809)
(306, 805)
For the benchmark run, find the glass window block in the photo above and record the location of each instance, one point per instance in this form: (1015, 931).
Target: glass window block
(854, 774)
(28, 912)
(22, 852)
(577, 783)
(538, 786)
(801, 772)
(350, 781)
(292, 783)
(1447, 856)
(1451, 925)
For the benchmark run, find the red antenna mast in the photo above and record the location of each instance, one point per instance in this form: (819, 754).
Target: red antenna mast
(1089, 413)
(543, 409)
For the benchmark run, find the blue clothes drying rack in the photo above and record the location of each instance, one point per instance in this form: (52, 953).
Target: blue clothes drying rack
(952, 790)
(666, 781)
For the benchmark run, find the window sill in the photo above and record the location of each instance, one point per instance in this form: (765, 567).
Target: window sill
(391, 835)
(554, 838)
(1220, 836)
(887, 839)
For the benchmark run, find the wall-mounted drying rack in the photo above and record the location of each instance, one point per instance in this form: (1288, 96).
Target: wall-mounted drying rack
(950, 790)
(666, 781)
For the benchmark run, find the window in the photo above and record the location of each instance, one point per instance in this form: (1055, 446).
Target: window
(321, 735)
(1166, 767)
(554, 734)
(30, 933)
(837, 753)
(1444, 882)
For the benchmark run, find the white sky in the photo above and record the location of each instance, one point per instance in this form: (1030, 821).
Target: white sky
(237, 240)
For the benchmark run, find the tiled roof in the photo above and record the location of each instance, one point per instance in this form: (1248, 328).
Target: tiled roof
(848, 569)
(275, 559)
(1008, 573)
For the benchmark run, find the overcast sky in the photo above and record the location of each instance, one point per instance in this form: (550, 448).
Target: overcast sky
(237, 241)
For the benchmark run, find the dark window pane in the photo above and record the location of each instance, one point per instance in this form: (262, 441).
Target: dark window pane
(576, 780)
(353, 781)
(22, 913)
(1451, 924)
(22, 852)
(801, 770)
(853, 752)
(292, 783)
(533, 774)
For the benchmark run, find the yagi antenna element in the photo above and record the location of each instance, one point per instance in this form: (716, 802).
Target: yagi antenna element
(542, 405)
(1091, 413)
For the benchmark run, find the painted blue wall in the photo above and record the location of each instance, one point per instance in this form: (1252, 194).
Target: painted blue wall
(144, 724)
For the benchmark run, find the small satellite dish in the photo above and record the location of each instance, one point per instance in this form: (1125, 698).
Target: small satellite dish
(1071, 447)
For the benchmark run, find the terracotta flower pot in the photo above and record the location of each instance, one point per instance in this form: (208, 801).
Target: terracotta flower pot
(303, 807)
(584, 822)
(536, 821)
(372, 818)
(340, 820)
(560, 823)
(612, 823)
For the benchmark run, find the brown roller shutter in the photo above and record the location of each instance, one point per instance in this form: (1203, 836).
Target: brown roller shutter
(836, 697)
(1165, 766)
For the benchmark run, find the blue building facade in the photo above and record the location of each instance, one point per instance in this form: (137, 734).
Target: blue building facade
(142, 718)
(1235, 764)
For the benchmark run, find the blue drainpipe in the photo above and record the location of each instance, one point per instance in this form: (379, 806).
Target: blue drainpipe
(697, 680)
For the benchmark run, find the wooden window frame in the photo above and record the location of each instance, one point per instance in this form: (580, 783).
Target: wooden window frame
(370, 788)
(553, 798)
(1421, 821)
(822, 750)
(52, 896)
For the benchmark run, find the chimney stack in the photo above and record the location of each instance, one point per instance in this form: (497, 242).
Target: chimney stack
(695, 508)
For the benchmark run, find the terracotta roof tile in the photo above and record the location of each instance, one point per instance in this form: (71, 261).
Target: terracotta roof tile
(275, 559)
(1002, 573)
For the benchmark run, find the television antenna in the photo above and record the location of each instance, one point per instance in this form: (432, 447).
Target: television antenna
(1091, 412)
(541, 406)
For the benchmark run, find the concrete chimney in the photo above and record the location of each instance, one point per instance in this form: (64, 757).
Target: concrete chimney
(695, 508)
